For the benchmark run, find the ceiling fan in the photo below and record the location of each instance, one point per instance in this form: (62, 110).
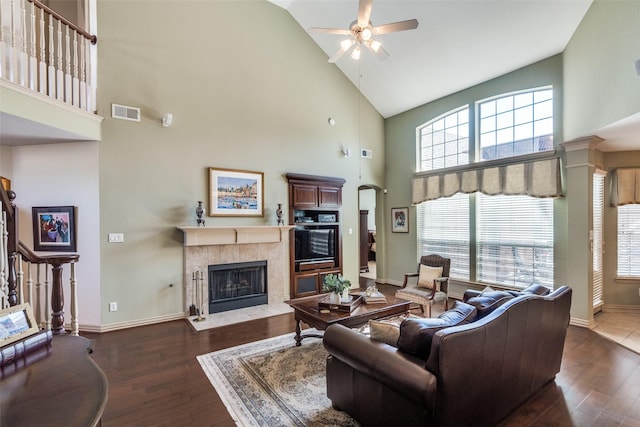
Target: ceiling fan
(362, 31)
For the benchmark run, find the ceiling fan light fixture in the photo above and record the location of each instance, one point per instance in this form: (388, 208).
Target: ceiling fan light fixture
(346, 44)
(356, 53)
(375, 45)
(366, 34)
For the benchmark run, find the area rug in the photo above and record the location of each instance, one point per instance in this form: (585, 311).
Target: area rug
(274, 383)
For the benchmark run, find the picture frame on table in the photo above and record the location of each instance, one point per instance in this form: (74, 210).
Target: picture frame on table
(399, 220)
(234, 192)
(16, 323)
(54, 228)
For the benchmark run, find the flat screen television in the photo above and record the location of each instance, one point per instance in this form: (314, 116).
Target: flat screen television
(315, 244)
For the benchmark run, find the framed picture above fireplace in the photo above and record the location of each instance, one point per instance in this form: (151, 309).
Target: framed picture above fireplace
(235, 192)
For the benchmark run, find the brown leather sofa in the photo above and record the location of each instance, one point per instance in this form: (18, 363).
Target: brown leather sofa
(474, 375)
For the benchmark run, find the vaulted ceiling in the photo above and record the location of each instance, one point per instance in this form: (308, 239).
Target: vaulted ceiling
(458, 44)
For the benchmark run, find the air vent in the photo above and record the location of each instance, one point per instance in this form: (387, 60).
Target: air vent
(366, 153)
(125, 113)
(637, 64)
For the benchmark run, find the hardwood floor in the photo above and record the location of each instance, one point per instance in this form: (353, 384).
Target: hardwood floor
(155, 379)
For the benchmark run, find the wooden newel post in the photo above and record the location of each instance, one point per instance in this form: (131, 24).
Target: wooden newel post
(57, 292)
(57, 299)
(12, 229)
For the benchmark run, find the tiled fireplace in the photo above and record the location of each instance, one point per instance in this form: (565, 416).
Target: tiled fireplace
(207, 246)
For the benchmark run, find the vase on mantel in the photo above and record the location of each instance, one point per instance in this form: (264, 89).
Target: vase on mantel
(279, 214)
(199, 212)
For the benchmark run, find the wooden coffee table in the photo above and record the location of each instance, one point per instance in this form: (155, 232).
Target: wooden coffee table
(306, 310)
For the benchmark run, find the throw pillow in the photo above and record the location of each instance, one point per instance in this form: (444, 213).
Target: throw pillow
(427, 275)
(384, 332)
(416, 334)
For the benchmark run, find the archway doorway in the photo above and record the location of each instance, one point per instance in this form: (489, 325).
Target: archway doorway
(367, 231)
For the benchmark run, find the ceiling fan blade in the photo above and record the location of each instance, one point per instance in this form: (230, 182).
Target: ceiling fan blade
(364, 12)
(337, 31)
(379, 52)
(410, 24)
(339, 54)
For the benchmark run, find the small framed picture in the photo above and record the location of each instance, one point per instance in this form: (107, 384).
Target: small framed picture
(400, 220)
(16, 323)
(54, 228)
(6, 183)
(235, 192)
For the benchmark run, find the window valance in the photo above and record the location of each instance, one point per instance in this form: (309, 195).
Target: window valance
(539, 178)
(625, 186)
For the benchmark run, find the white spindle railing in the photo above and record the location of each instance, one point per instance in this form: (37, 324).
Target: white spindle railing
(40, 297)
(51, 59)
(4, 286)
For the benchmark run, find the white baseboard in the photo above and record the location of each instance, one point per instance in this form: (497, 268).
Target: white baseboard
(619, 308)
(590, 324)
(389, 282)
(132, 324)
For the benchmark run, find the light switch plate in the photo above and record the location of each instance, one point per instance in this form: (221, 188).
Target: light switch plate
(116, 237)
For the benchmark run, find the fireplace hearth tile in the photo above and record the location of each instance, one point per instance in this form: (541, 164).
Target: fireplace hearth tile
(225, 318)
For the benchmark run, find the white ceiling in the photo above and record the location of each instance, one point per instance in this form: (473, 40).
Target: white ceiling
(458, 44)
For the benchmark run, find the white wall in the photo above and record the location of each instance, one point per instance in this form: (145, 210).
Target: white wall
(368, 202)
(63, 175)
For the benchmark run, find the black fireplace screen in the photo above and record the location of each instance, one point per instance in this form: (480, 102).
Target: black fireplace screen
(237, 285)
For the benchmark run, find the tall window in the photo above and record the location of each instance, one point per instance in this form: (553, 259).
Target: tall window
(597, 242)
(515, 240)
(629, 241)
(443, 224)
(511, 236)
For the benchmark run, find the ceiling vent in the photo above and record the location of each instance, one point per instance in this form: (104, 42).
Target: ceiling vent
(366, 153)
(125, 113)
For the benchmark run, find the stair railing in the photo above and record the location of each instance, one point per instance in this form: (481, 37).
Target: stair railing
(18, 267)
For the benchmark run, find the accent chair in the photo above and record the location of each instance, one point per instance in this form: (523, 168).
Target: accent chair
(432, 285)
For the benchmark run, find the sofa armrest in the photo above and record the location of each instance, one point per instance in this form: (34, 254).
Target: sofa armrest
(386, 364)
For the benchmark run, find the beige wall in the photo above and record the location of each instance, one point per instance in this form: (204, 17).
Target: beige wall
(601, 86)
(248, 90)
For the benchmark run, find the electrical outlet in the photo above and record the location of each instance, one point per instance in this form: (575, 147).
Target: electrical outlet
(113, 306)
(116, 237)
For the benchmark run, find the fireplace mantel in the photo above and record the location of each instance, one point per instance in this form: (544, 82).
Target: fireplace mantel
(233, 235)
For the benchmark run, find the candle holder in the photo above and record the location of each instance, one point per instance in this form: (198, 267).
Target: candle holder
(198, 285)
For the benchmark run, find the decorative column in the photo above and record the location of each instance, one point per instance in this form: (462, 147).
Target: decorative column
(579, 203)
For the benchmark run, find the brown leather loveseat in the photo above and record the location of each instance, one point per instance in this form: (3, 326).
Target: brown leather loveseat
(474, 374)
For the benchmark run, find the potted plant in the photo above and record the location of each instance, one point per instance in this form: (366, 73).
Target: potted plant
(336, 284)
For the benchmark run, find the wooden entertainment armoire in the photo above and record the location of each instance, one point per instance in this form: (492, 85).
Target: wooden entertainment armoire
(315, 208)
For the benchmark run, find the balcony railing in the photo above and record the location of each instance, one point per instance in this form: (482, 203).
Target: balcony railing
(46, 53)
